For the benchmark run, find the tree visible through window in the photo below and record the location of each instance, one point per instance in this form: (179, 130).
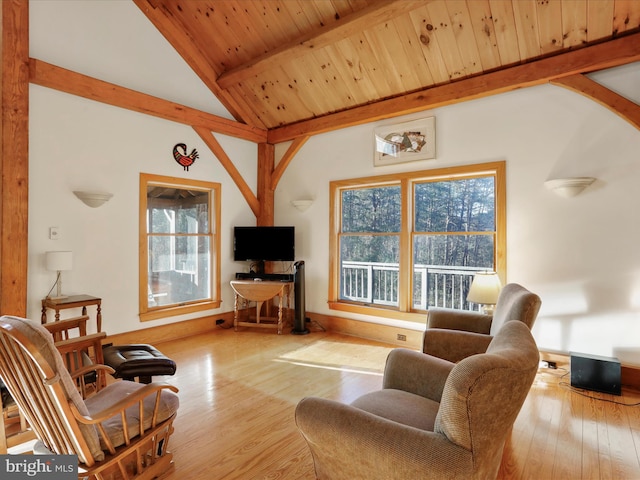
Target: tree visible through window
(370, 238)
(454, 231)
(411, 241)
(179, 246)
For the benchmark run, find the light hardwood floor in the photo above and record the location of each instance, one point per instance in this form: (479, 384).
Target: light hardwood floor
(238, 392)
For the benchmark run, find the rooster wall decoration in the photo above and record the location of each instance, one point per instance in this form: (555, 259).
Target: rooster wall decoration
(180, 154)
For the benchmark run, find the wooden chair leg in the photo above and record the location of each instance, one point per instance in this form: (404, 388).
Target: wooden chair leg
(14, 428)
(3, 433)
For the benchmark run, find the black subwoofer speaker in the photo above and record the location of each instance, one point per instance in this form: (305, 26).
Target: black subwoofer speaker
(299, 326)
(593, 372)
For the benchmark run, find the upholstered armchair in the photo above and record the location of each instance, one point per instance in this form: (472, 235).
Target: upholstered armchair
(456, 334)
(433, 419)
(122, 431)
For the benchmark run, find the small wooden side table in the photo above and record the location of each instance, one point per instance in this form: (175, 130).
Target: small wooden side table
(260, 292)
(72, 301)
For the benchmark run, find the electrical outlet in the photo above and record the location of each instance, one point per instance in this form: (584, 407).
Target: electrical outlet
(401, 337)
(54, 233)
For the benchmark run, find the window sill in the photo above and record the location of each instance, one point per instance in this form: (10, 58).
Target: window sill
(172, 311)
(378, 311)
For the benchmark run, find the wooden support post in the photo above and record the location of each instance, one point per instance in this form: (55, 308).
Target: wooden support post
(14, 158)
(266, 193)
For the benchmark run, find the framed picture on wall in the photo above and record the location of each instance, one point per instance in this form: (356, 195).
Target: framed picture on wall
(405, 142)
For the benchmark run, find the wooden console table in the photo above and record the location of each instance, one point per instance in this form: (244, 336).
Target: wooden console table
(72, 301)
(260, 292)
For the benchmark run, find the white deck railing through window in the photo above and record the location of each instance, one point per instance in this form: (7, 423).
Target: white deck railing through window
(433, 285)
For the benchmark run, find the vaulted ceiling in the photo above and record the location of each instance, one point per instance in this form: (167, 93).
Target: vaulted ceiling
(290, 65)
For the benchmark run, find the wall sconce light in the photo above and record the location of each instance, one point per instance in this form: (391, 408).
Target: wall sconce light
(93, 199)
(484, 291)
(57, 262)
(569, 187)
(302, 204)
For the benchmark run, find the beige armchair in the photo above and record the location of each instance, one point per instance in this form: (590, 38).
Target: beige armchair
(457, 334)
(433, 419)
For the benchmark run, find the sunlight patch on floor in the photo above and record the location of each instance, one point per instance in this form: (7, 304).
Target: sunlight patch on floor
(340, 356)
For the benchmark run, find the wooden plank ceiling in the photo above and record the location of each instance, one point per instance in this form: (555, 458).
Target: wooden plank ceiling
(276, 63)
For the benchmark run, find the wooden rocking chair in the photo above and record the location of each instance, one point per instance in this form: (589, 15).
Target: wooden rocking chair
(78, 350)
(121, 432)
(81, 353)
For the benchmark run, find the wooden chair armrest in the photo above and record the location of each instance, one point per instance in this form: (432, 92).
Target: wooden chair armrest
(79, 376)
(72, 351)
(78, 343)
(91, 368)
(119, 407)
(63, 326)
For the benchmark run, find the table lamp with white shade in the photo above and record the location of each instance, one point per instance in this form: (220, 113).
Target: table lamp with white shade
(58, 262)
(484, 291)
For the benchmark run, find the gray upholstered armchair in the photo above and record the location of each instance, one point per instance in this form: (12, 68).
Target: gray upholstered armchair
(433, 419)
(457, 334)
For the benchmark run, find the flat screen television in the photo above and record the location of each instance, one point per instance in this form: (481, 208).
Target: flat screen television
(260, 244)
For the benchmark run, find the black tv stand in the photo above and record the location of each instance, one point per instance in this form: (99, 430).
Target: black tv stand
(273, 277)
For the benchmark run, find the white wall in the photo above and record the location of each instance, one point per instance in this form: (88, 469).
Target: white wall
(578, 254)
(77, 144)
(82, 145)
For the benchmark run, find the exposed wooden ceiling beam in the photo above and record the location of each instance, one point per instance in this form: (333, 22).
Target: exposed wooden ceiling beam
(51, 76)
(618, 104)
(588, 59)
(231, 169)
(179, 38)
(379, 12)
(294, 148)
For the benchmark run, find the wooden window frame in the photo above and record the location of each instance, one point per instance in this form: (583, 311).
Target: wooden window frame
(214, 189)
(405, 311)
